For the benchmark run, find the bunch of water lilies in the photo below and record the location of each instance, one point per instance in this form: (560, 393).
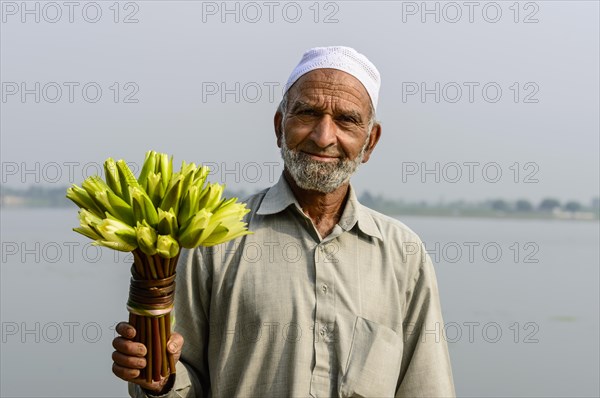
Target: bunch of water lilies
(154, 216)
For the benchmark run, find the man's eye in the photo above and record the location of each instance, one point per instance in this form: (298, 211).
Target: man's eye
(347, 119)
(307, 112)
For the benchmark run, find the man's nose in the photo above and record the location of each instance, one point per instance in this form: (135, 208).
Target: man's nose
(324, 132)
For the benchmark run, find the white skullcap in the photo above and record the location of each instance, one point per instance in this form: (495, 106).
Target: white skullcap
(345, 59)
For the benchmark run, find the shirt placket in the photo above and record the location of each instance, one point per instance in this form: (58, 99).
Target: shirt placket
(324, 334)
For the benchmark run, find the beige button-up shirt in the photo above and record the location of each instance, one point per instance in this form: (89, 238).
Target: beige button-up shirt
(286, 313)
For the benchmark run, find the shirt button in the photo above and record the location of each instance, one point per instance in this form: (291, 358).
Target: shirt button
(324, 288)
(323, 331)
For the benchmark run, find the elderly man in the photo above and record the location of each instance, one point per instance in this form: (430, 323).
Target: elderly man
(326, 297)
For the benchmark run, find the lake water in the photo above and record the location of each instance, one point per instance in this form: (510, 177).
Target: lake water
(520, 301)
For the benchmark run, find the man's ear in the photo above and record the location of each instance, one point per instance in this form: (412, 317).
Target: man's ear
(277, 126)
(373, 140)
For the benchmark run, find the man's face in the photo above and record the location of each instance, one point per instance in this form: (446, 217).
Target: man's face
(324, 135)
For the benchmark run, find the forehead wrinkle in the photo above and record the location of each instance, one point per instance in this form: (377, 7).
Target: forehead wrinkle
(332, 93)
(337, 108)
(334, 104)
(327, 84)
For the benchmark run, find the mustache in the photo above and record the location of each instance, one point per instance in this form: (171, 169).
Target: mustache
(331, 153)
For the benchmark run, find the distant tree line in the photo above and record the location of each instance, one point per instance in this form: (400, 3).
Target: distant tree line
(521, 206)
(36, 195)
(546, 205)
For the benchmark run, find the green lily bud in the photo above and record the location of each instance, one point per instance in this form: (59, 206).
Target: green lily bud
(188, 168)
(189, 235)
(88, 223)
(112, 176)
(223, 234)
(165, 167)
(189, 205)
(115, 206)
(171, 198)
(114, 245)
(88, 218)
(167, 246)
(82, 199)
(228, 225)
(200, 176)
(227, 204)
(167, 222)
(146, 238)
(211, 197)
(187, 173)
(88, 232)
(127, 180)
(229, 212)
(143, 208)
(122, 236)
(92, 185)
(148, 167)
(154, 188)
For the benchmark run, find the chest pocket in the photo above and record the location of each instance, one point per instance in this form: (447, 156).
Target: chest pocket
(373, 364)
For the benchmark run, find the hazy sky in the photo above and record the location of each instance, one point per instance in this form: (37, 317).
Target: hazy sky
(516, 86)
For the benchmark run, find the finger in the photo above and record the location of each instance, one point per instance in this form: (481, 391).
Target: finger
(175, 343)
(125, 330)
(129, 347)
(124, 373)
(132, 375)
(127, 361)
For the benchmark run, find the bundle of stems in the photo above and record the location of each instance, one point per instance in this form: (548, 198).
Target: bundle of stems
(152, 292)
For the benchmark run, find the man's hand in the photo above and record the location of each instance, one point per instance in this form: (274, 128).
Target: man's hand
(129, 357)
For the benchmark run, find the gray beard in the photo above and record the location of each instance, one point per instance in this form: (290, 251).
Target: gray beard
(319, 176)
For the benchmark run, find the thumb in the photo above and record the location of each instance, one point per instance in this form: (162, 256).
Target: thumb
(175, 345)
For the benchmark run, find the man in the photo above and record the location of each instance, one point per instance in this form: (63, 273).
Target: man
(326, 297)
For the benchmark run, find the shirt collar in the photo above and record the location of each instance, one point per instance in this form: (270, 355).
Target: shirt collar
(279, 197)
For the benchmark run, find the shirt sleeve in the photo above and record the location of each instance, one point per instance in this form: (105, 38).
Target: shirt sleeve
(425, 370)
(192, 302)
